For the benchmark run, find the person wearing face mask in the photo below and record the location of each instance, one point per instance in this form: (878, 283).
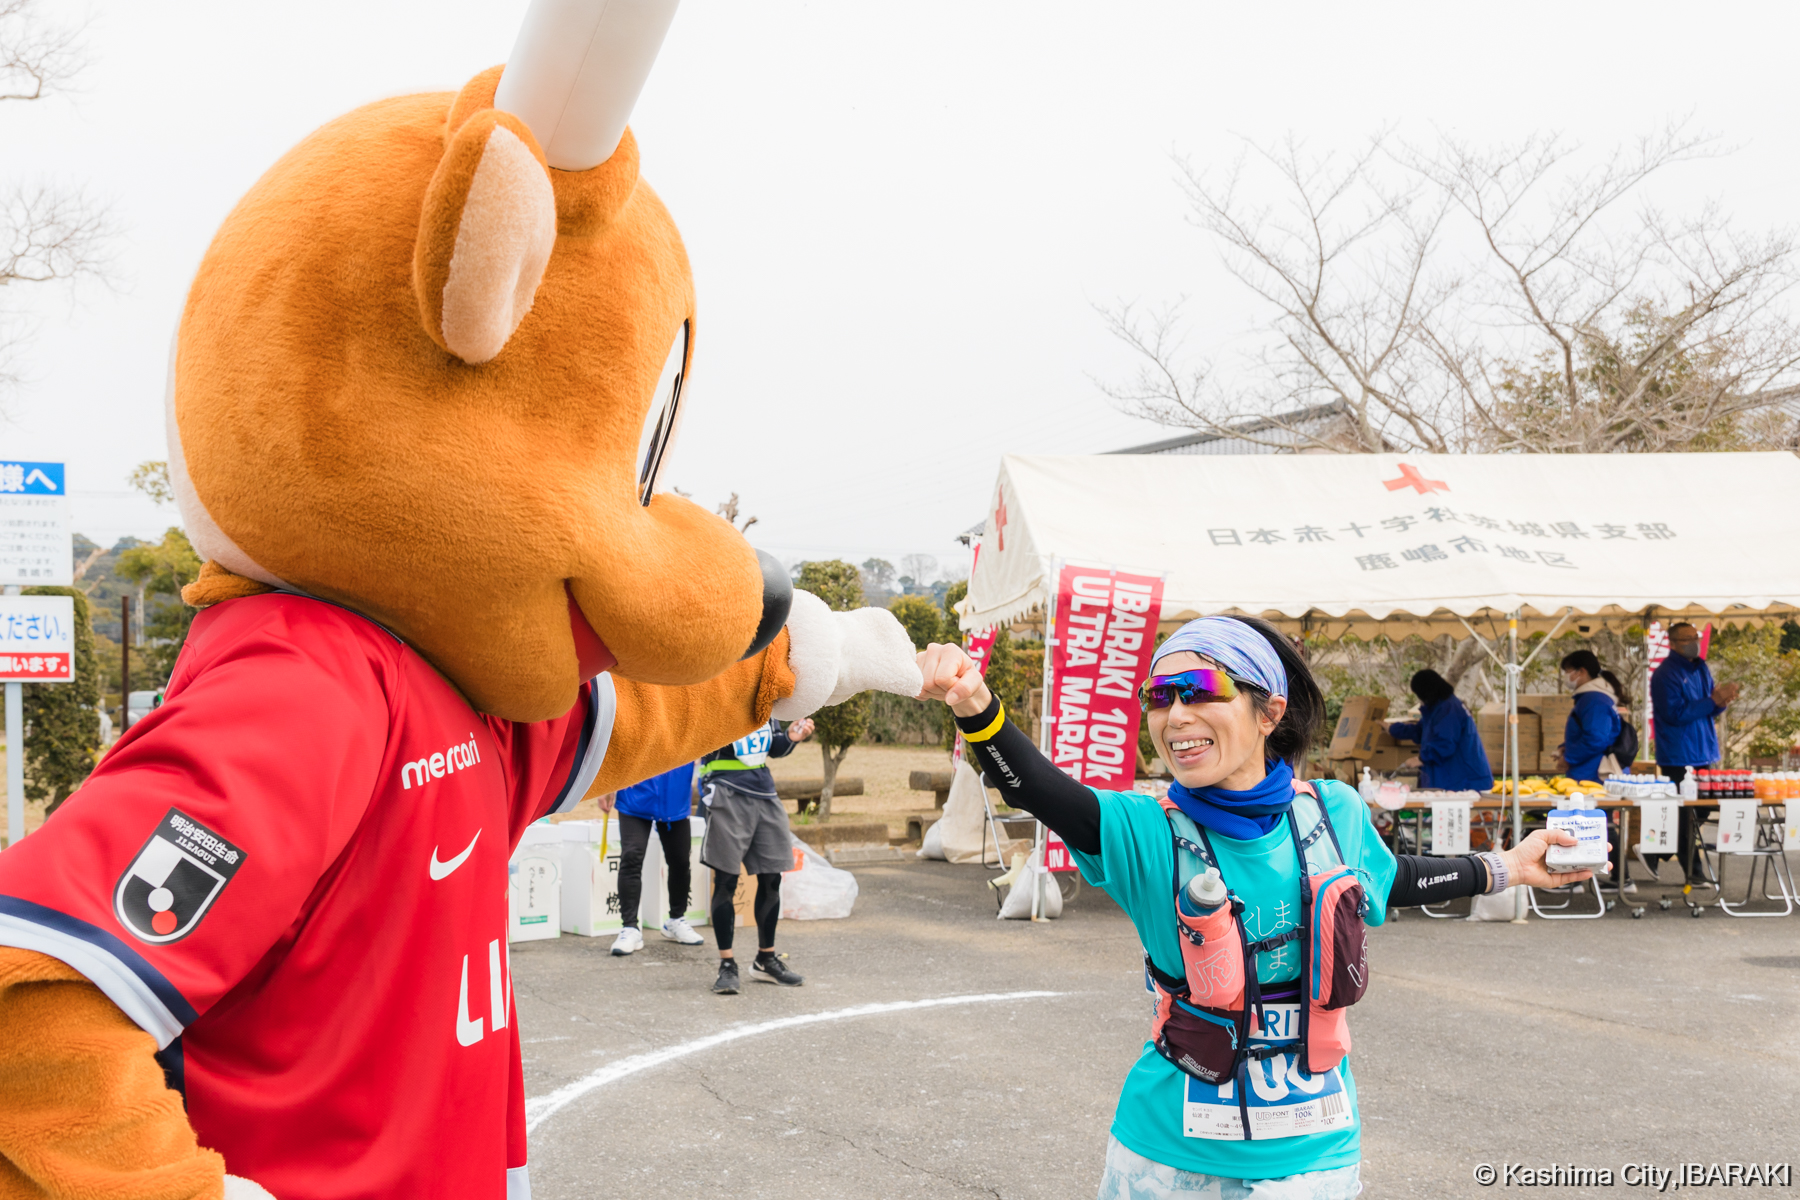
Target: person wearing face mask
(1684, 701)
(1450, 755)
(1593, 724)
(1243, 1088)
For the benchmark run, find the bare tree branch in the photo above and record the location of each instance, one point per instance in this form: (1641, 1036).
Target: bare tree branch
(1451, 298)
(47, 234)
(36, 59)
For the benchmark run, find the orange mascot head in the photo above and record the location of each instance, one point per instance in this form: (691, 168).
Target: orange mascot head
(431, 368)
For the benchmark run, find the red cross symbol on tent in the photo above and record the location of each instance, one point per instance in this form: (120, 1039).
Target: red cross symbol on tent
(1000, 519)
(1410, 477)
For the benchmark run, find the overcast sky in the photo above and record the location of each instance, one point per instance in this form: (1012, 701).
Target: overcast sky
(900, 217)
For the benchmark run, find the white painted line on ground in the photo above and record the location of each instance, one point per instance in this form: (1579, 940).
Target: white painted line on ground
(541, 1108)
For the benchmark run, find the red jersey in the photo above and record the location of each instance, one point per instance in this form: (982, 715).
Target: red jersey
(293, 875)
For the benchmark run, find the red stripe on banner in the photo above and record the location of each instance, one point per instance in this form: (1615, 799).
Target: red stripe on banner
(1105, 633)
(980, 645)
(29, 668)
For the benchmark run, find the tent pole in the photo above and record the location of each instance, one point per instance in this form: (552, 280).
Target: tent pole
(1044, 739)
(1513, 671)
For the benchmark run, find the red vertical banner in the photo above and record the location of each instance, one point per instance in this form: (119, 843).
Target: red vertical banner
(1105, 630)
(980, 644)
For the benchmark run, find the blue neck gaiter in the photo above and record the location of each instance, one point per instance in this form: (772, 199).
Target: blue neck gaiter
(1240, 815)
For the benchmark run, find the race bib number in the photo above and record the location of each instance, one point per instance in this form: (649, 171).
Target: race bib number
(1283, 1099)
(753, 751)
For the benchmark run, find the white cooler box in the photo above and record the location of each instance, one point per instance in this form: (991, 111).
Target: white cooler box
(534, 885)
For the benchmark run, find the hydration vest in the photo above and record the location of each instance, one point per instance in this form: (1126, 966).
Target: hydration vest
(1206, 1034)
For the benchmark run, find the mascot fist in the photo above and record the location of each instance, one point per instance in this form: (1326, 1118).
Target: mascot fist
(835, 655)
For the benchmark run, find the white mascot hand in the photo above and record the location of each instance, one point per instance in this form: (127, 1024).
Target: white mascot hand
(244, 1189)
(835, 655)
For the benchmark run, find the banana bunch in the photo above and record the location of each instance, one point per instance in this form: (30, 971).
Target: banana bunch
(1561, 785)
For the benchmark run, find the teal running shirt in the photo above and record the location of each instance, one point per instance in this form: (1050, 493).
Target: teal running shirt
(1161, 1110)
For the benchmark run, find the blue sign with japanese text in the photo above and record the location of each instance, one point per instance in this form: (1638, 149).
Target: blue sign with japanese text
(32, 479)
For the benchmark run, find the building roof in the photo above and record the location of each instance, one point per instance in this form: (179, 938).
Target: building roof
(1275, 434)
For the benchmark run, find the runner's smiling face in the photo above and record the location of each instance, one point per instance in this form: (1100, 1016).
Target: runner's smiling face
(1219, 744)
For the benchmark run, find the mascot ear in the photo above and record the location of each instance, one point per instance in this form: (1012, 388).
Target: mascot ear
(485, 236)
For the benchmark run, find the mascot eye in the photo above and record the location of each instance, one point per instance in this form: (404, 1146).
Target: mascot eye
(664, 419)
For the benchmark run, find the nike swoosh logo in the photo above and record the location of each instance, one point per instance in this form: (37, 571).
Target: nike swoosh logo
(441, 869)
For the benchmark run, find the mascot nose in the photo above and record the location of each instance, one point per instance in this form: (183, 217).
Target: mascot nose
(778, 597)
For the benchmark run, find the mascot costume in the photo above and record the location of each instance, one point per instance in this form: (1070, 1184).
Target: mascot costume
(419, 404)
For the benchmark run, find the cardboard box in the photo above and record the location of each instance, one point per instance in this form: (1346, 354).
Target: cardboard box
(1491, 724)
(1549, 762)
(1358, 727)
(1553, 718)
(744, 899)
(1388, 759)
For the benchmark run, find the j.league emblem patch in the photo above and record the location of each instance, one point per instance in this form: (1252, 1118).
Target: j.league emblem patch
(175, 878)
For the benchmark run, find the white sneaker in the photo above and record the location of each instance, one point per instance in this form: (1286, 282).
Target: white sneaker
(629, 941)
(1629, 888)
(676, 929)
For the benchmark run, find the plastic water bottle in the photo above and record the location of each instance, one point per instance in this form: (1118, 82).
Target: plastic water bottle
(1215, 969)
(1205, 894)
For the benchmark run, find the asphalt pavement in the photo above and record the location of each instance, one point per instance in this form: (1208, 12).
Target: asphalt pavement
(935, 1051)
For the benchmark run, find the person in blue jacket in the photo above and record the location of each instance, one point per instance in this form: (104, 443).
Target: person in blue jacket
(660, 805)
(1593, 724)
(1685, 702)
(1450, 755)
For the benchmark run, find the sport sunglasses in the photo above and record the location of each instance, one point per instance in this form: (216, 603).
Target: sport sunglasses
(1203, 685)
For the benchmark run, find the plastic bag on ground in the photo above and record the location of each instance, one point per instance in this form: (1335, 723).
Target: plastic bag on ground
(933, 844)
(1498, 907)
(817, 891)
(962, 830)
(1017, 905)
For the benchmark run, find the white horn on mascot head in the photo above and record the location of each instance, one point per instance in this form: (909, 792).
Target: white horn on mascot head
(576, 72)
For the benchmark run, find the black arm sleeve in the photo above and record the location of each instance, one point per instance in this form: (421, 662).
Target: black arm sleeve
(1029, 781)
(780, 745)
(1424, 879)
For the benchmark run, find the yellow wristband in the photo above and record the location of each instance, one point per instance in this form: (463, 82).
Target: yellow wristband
(991, 730)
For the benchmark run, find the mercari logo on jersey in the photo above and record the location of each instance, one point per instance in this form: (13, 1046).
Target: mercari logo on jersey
(174, 879)
(753, 751)
(445, 762)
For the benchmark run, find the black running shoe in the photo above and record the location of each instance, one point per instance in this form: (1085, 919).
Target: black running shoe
(727, 982)
(774, 968)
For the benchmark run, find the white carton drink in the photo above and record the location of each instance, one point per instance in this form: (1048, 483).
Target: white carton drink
(1588, 825)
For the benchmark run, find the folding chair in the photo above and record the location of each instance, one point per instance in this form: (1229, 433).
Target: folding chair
(1551, 912)
(1764, 852)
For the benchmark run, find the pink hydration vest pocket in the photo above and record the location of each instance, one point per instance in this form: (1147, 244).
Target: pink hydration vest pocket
(1200, 1023)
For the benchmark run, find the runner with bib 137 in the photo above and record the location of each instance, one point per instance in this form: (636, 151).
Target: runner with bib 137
(1250, 890)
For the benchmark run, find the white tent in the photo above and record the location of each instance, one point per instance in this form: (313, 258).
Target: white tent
(1401, 544)
(1412, 542)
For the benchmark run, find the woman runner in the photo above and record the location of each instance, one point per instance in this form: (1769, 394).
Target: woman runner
(1232, 709)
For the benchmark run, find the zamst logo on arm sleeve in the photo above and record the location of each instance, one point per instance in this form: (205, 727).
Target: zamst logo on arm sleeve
(174, 879)
(1105, 630)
